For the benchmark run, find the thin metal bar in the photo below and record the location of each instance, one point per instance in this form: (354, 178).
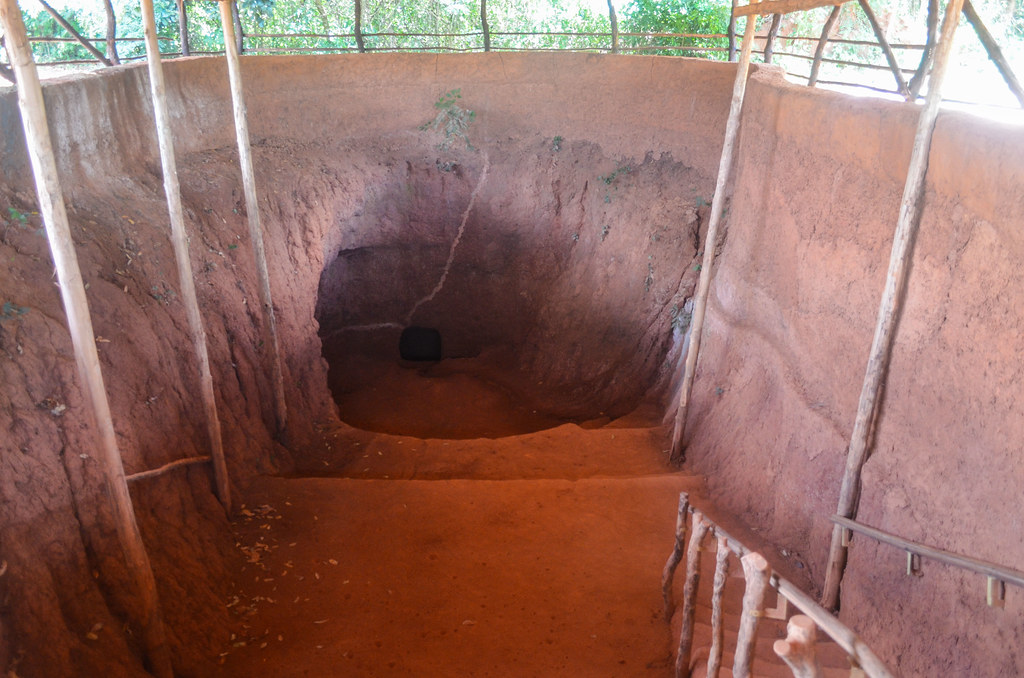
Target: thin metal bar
(966, 562)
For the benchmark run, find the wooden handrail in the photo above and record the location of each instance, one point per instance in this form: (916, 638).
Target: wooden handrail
(984, 567)
(860, 654)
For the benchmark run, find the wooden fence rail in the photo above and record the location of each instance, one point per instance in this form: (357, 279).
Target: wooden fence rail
(758, 576)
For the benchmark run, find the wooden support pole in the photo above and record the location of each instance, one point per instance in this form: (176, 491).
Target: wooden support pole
(179, 239)
(486, 26)
(780, 7)
(994, 53)
(890, 56)
(889, 308)
(252, 209)
(798, 649)
(6, 72)
(717, 625)
(732, 128)
(917, 80)
(186, 48)
(698, 531)
(76, 307)
(236, 24)
(75, 34)
(108, 8)
(819, 51)
(668, 574)
(358, 28)
(615, 27)
(769, 42)
(732, 32)
(756, 572)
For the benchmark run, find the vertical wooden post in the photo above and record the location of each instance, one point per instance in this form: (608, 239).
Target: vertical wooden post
(179, 239)
(668, 574)
(5, 71)
(890, 57)
(486, 26)
(108, 8)
(769, 42)
(358, 29)
(819, 51)
(994, 53)
(236, 24)
(798, 649)
(732, 128)
(615, 27)
(756, 572)
(732, 32)
(186, 49)
(890, 307)
(252, 209)
(717, 627)
(698, 531)
(76, 307)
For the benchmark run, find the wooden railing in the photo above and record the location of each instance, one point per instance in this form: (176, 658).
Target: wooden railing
(797, 650)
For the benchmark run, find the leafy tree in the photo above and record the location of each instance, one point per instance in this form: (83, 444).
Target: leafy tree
(702, 17)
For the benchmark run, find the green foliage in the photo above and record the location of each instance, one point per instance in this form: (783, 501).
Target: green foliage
(11, 310)
(556, 144)
(452, 120)
(17, 216)
(679, 16)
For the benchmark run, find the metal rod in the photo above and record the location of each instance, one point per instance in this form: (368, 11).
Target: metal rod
(966, 562)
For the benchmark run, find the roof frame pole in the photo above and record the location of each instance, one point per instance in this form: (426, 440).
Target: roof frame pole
(179, 239)
(890, 307)
(485, 25)
(769, 41)
(252, 209)
(731, 33)
(358, 26)
(890, 56)
(615, 27)
(732, 128)
(91, 48)
(76, 307)
(819, 51)
(993, 51)
(932, 28)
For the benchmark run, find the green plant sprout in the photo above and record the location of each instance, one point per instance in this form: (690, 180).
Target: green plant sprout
(556, 144)
(451, 120)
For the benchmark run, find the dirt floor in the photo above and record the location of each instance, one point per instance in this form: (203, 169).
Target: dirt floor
(538, 554)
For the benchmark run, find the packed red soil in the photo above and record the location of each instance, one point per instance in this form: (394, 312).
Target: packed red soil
(560, 296)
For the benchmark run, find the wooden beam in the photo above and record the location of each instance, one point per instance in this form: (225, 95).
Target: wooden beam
(75, 34)
(769, 41)
(756, 572)
(179, 239)
(889, 308)
(732, 32)
(819, 51)
(252, 209)
(485, 25)
(669, 572)
(932, 24)
(698, 531)
(994, 53)
(717, 591)
(83, 337)
(358, 28)
(890, 56)
(186, 48)
(169, 466)
(732, 128)
(108, 8)
(798, 649)
(615, 27)
(781, 7)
